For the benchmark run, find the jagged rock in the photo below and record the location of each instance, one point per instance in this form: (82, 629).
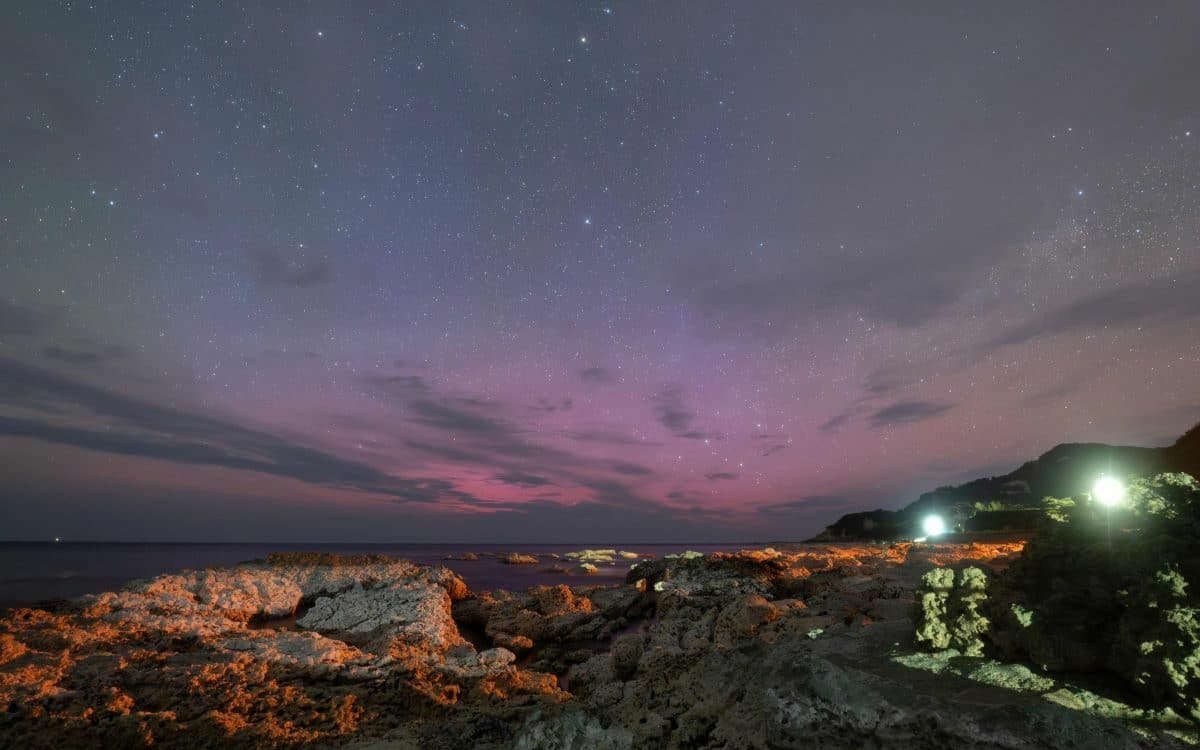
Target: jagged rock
(516, 558)
(572, 730)
(1112, 589)
(950, 615)
(603, 556)
(719, 657)
(625, 655)
(412, 611)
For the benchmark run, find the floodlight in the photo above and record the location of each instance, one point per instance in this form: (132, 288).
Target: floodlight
(933, 525)
(1108, 491)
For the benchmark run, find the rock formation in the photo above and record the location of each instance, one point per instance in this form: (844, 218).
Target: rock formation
(769, 648)
(1101, 589)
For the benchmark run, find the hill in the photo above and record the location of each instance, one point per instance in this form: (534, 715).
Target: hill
(1014, 499)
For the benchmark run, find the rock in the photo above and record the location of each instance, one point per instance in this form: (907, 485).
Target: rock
(572, 730)
(192, 673)
(625, 656)
(414, 612)
(517, 643)
(742, 619)
(1112, 589)
(756, 649)
(950, 615)
(516, 558)
(603, 556)
(587, 569)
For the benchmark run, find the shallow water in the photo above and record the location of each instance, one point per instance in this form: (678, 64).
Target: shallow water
(37, 571)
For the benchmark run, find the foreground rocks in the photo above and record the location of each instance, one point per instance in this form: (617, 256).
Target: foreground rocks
(757, 649)
(1100, 589)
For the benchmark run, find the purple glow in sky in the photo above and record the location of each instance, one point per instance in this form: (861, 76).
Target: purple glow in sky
(572, 272)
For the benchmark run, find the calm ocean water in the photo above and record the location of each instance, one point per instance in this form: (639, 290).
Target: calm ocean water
(36, 571)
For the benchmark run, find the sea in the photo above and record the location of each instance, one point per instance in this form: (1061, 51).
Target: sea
(38, 572)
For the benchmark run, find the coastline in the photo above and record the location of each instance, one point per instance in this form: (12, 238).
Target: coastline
(776, 648)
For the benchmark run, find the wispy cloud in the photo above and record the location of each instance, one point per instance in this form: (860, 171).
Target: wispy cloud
(1168, 297)
(21, 320)
(720, 476)
(908, 412)
(597, 375)
(270, 269)
(137, 427)
(672, 413)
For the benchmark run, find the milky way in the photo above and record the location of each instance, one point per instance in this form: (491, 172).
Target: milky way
(580, 272)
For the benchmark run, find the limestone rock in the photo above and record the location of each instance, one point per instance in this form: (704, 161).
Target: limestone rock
(516, 558)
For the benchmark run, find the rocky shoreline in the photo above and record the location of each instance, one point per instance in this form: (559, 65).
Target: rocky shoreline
(765, 648)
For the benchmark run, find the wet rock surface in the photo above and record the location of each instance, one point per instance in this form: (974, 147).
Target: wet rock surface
(767, 648)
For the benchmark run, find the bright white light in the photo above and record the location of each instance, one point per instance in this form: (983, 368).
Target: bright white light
(933, 526)
(1108, 491)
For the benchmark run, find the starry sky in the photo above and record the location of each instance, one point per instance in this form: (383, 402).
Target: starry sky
(574, 271)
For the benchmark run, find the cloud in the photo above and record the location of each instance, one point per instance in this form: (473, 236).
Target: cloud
(522, 479)
(672, 413)
(630, 469)
(878, 284)
(284, 355)
(1056, 393)
(720, 475)
(907, 412)
(397, 384)
(272, 270)
(85, 356)
(19, 320)
(890, 378)
(1163, 298)
(439, 415)
(548, 406)
(136, 427)
(607, 437)
(597, 375)
(882, 288)
(449, 452)
(836, 422)
(809, 504)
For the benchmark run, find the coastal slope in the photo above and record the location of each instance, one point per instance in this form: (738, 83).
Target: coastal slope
(1011, 500)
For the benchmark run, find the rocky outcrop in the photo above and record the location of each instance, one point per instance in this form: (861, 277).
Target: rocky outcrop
(556, 625)
(516, 558)
(768, 648)
(192, 660)
(950, 615)
(1103, 589)
(1113, 589)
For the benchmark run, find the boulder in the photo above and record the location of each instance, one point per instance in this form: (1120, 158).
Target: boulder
(516, 558)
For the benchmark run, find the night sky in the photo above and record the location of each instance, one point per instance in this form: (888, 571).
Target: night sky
(566, 271)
